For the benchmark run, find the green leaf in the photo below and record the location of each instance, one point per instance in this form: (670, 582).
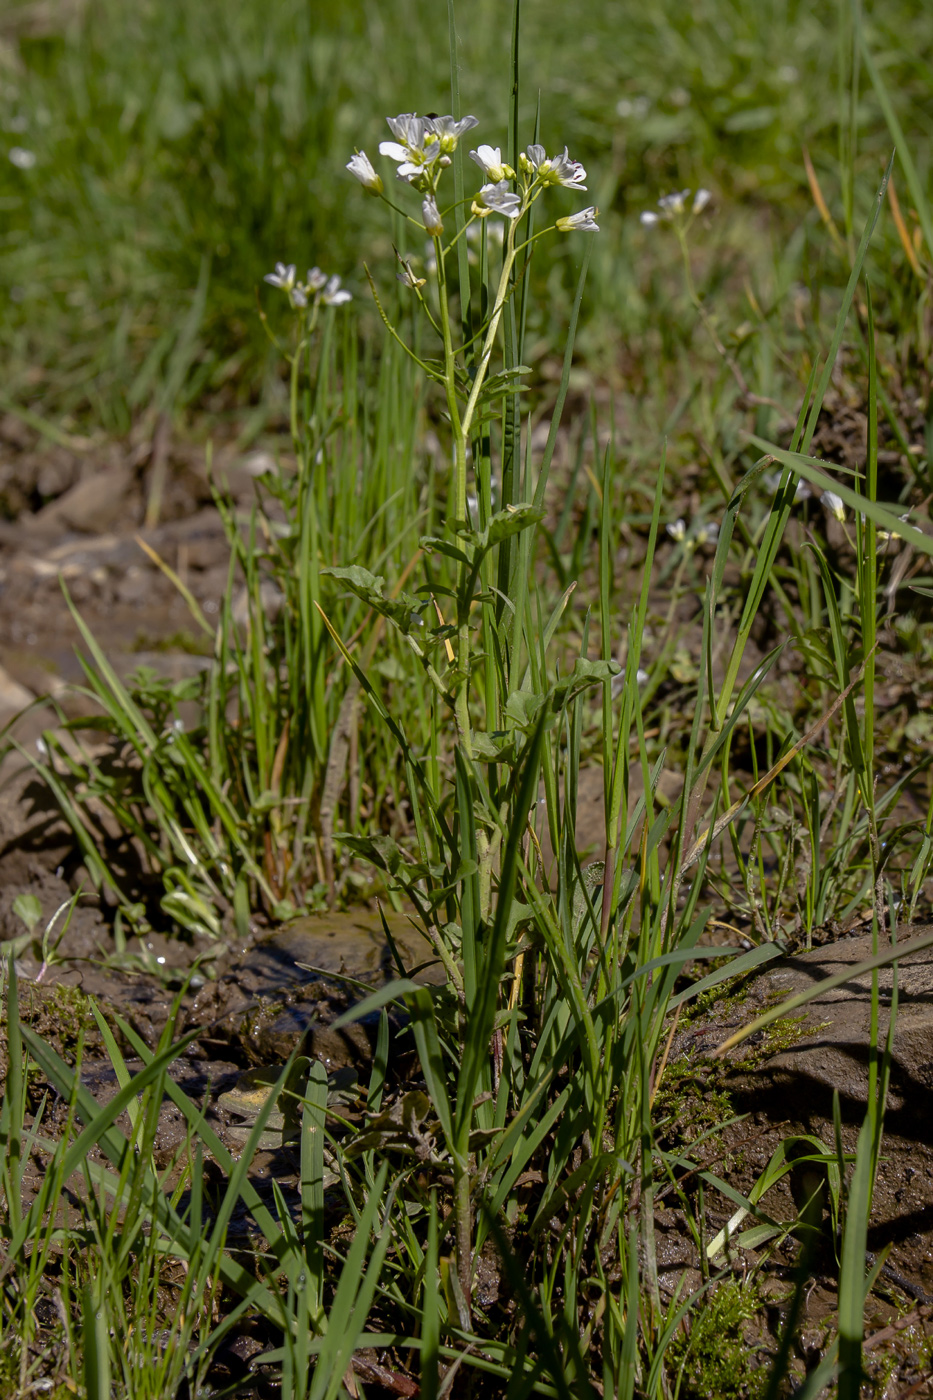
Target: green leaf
(27, 908)
(510, 521)
(404, 611)
(433, 544)
(522, 708)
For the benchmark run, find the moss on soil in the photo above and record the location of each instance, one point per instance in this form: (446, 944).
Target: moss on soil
(713, 1353)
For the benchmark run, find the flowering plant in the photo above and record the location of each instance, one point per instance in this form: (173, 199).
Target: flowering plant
(470, 871)
(423, 150)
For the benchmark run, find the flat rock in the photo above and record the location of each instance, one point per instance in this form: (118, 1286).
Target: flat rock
(95, 504)
(351, 944)
(833, 1047)
(283, 992)
(13, 696)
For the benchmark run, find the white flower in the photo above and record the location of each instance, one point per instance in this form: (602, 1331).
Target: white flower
(583, 221)
(362, 167)
(316, 279)
(618, 680)
(22, 159)
(406, 275)
(497, 199)
(298, 296)
(882, 536)
(708, 533)
(674, 206)
(558, 170)
(283, 276)
(489, 159)
(632, 106)
(674, 203)
(677, 531)
(832, 504)
(407, 128)
(494, 230)
(432, 220)
(449, 131)
(411, 161)
(333, 294)
(416, 146)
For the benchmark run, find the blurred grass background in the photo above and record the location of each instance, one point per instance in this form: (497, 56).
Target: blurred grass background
(157, 158)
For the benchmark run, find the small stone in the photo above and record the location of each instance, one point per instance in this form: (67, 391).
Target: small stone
(97, 503)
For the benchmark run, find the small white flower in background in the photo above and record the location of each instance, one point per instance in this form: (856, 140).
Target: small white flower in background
(22, 159)
(708, 533)
(489, 159)
(674, 203)
(584, 221)
(832, 504)
(674, 206)
(497, 199)
(283, 276)
(335, 295)
(556, 170)
(319, 286)
(618, 681)
(772, 480)
(677, 531)
(882, 536)
(494, 230)
(432, 220)
(632, 106)
(362, 167)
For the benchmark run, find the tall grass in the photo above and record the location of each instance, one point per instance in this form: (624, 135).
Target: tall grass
(529, 1141)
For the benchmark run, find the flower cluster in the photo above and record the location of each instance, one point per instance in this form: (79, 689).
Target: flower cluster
(422, 150)
(677, 206)
(706, 532)
(319, 289)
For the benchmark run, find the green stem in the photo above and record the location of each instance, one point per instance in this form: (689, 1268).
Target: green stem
(502, 293)
(450, 386)
(457, 511)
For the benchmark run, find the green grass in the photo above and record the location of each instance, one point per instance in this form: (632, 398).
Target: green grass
(427, 669)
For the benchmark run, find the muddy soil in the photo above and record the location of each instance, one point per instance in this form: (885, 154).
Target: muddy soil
(780, 1084)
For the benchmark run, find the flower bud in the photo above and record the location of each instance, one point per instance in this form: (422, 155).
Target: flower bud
(432, 220)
